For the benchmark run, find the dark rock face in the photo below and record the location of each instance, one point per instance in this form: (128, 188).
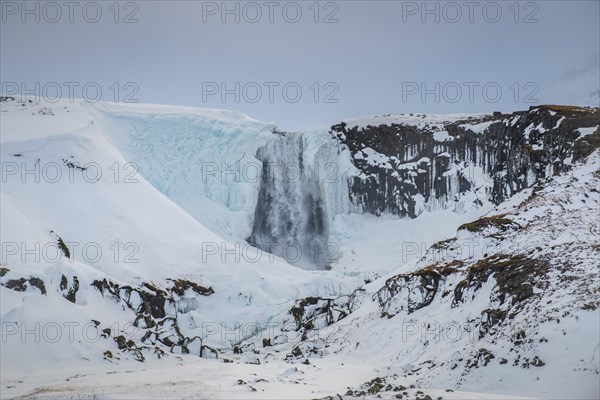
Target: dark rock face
(516, 277)
(378, 385)
(507, 154)
(156, 312)
(21, 284)
(308, 317)
(181, 285)
(317, 312)
(411, 292)
(498, 222)
(69, 290)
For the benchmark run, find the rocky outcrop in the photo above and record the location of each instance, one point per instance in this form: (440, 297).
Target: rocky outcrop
(516, 277)
(408, 167)
(21, 284)
(302, 332)
(316, 312)
(308, 317)
(156, 316)
(411, 292)
(69, 289)
(180, 286)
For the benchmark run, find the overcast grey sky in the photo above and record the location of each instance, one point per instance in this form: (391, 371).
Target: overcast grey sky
(348, 58)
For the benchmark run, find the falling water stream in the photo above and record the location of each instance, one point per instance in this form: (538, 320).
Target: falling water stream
(290, 219)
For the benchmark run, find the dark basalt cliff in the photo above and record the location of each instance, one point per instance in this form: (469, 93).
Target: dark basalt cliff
(491, 157)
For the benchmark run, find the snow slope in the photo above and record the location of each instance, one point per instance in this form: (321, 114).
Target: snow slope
(119, 228)
(509, 305)
(154, 205)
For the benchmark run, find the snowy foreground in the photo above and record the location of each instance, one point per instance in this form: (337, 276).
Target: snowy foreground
(125, 257)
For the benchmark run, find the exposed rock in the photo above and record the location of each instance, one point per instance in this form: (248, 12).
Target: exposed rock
(515, 151)
(410, 292)
(489, 319)
(155, 311)
(317, 312)
(376, 386)
(481, 359)
(20, 285)
(496, 221)
(62, 245)
(516, 276)
(181, 285)
(69, 290)
(536, 362)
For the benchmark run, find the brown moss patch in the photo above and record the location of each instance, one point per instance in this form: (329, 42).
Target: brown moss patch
(495, 221)
(567, 109)
(181, 285)
(516, 277)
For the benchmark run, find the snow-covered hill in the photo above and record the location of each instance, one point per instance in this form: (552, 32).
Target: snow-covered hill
(509, 305)
(71, 186)
(141, 233)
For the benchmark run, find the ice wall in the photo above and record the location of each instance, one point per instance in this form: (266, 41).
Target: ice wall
(203, 160)
(223, 167)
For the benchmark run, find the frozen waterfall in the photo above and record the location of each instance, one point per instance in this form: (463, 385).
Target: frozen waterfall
(290, 219)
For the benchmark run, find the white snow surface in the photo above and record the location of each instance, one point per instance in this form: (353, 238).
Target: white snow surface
(174, 190)
(419, 120)
(583, 132)
(155, 238)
